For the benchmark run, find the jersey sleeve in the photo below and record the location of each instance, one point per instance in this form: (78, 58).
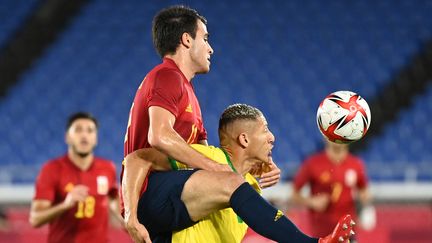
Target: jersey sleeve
(113, 190)
(167, 90)
(46, 183)
(202, 134)
(303, 176)
(362, 181)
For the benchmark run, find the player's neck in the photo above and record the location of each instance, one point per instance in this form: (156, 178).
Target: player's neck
(82, 163)
(238, 161)
(337, 158)
(183, 63)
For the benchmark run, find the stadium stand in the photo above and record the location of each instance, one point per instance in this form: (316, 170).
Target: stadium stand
(12, 15)
(409, 134)
(283, 57)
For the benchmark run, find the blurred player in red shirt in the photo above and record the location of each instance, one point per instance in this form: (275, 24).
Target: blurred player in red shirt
(75, 192)
(335, 177)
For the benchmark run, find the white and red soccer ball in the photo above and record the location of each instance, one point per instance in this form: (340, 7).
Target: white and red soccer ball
(343, 117)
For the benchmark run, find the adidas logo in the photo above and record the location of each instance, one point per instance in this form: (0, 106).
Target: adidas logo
(189, 108)
(279, 215)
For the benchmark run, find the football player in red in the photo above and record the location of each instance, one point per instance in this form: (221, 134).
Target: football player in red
(335, 176)
(75, 192)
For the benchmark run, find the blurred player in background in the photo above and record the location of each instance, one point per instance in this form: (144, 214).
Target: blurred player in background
(246, 144)
(4, 224)
(336, 179)
(165, 113)
(75, 192)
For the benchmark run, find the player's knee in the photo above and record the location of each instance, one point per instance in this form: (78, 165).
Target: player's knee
(233, 181)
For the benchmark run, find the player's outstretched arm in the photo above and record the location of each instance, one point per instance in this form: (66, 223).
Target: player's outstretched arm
(135, 172)
(42, 211)
(342, 232)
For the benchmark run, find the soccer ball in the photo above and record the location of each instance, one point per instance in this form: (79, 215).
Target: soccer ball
(343, 117)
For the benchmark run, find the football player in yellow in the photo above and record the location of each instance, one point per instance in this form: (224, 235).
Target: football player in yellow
(246, 144)
(223, 225)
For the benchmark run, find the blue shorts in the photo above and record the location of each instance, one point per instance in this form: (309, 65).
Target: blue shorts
(160, 208)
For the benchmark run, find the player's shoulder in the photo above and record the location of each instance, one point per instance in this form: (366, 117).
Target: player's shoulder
(315, 157)
(168, 74)
(99, 159)
(354, 159)
(103, 162)
(211, 152)
(55, 163)
(52, 170)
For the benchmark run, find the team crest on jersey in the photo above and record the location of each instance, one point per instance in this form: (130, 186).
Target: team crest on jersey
(350, 177)
(325, 177)
(102, 185)
(189, 108)
(68, 187)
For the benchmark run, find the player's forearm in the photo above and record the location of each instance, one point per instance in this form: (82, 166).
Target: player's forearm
(39, 217)
(134, 174)
(114, 210)
(298, 199)
(170, 143)
(365, 197)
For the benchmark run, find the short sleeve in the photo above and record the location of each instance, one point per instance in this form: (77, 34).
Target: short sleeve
(303, 176)
(167, 90)
(113, 190)
(46, 183)
(202, 133)
(362, 181)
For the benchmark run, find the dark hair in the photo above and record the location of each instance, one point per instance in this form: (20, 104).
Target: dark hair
(80, 115)
(169, 25)
(238, 112)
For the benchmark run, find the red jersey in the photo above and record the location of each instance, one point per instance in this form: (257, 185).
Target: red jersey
(338, 180)
(164, 86)
(87, 221)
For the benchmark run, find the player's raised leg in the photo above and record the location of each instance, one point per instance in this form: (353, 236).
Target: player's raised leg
(206, 192)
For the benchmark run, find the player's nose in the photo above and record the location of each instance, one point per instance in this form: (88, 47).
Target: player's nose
(272, 138)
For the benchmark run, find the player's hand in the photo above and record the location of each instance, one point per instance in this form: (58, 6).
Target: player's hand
(342, 232)
(77, 194)
(367, 217)
(270, 174)
(137, 231)
(319, 203)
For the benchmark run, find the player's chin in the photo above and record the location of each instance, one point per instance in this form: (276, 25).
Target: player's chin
(83, 152)
(204, 70)
(265, 159)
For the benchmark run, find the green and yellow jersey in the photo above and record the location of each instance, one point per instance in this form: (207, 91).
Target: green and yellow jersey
(221, 226)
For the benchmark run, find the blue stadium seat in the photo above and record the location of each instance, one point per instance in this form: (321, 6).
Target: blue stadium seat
(282, 56)
(13, 15)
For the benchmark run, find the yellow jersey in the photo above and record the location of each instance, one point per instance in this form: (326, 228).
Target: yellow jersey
(221, 226)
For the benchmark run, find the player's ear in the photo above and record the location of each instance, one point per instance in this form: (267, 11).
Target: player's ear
(66, 137)
(243, 139)
(97, 139)
(186, 40)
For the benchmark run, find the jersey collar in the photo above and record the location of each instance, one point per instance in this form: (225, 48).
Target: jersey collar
(229, 160)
